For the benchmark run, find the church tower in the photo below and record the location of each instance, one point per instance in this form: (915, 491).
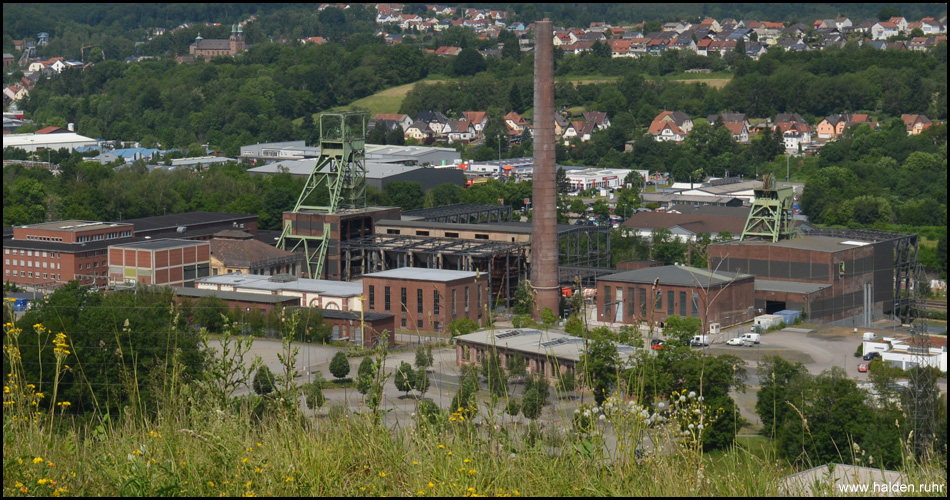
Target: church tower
(237, 39)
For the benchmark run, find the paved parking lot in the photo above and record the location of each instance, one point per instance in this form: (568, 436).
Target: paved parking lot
(819, 351)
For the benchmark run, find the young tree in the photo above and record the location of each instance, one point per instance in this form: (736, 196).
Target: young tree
(424, 357)
(365, 375)
(532, 405)
(495, 374)
(339, 365)
(600, 364)
(314, 392)
(517, 365)
(404, 378)
(567, 381)
(420, 381)
(263, 381)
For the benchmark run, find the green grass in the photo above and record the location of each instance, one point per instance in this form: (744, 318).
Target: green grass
(389, 100)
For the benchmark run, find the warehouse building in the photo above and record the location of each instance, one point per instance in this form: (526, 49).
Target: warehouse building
(850, 278)
(324, 294)
(171, 262)
(426, 300)
(652, 294)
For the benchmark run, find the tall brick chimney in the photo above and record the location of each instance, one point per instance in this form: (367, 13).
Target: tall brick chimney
(544, 251)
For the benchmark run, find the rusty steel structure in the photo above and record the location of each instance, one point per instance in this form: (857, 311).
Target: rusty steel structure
(544, 244)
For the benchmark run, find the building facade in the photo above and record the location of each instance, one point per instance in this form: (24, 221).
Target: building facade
(171, 262)
(426, 300)
(51, 254)
(652, 294)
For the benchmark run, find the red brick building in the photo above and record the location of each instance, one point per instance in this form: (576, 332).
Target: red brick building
(829, 279)
(426, 300)
(50, 254)
(169, 262)
(714, 297)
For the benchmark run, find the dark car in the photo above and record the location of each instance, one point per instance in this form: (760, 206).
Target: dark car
(871, 355)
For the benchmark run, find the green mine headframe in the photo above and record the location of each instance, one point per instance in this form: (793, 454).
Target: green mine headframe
(771, 212)
(341, 171)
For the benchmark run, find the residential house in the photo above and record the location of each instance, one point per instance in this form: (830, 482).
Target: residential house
(620, 47)
(900, 22)
(843, 23)
(402, 120)
(434, 120)
(883, 30)
(459, 131)
(560, 124)
(566, 38)
(514, 121)
(931, 27)
(755, 50)
(833, 126)
(580, 129)
(916, 123)
(8, 59)
(478, 119)
(739, 131)
(676, 27)
(419, 131)
(737, 124)
(671, 126)
(598, 118)
(448, 51)
(318, 40)
(712, 24)
(794, 129)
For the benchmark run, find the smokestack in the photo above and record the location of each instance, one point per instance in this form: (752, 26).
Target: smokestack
(544, 251)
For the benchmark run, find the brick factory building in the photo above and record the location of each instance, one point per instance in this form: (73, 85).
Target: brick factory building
(426, 300)
(51, 254)
(169, 262)
(829, 278)
(715, 297)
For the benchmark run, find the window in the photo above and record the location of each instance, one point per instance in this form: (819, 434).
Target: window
(659, 301)
(402, 300)
(466, 299)
(481, 236)
(437, 326)
(403, 322)
(683, 304)
(451, 235)
(392, 231)
(419, 323)
(422, 233)
(670, 295)
(372, 297)
(453, 303)
(643, 302)
(386, 298)
(419, 301)
(435, 303)
(607, 303)
(695, 304)
(479, 298)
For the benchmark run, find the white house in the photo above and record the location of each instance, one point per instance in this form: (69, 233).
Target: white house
(884, 30)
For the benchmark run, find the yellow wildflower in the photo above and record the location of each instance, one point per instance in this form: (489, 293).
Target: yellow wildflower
(37, 460)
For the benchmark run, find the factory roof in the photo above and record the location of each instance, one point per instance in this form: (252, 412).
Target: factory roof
(178, 220)
(161, 244)
(815, 243)
(676, 276)
(531, 341)
(423, 274)
(236, 296)
(73, 226)
(284, 283)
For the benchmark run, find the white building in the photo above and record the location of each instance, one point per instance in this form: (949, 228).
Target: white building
(325, 294)
(899, 352)
(37, 142)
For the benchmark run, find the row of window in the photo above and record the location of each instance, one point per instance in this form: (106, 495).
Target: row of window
(44, 238)
(420, 303)
(30, 263)
(671, 308)
(29, 253)
(28, 274)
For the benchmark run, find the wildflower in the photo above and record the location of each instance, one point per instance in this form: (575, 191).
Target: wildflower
(602, 417)
(691, 426)
(431, 485)
(692, 394)
(211, 484)
(37, 460)
(472, 472)
(382, 474)
(415, 463)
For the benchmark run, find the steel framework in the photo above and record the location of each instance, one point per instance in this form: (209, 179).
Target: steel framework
(770, 216)
(462, 214)
(341, 170)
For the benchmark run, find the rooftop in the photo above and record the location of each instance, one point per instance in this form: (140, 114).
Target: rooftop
(819, 243)
(788, 286)
(161, 244)
(676, 276)
(284, 283)
(74, 226)
(423, 274)
(531, 341)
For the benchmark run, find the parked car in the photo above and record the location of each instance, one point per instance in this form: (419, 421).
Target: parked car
(657, 344)
(735, 341)
(863, 368)
(872, 356)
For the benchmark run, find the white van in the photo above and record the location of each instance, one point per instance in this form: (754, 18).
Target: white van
(751, 337)
(870, 336)
(699, 340)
